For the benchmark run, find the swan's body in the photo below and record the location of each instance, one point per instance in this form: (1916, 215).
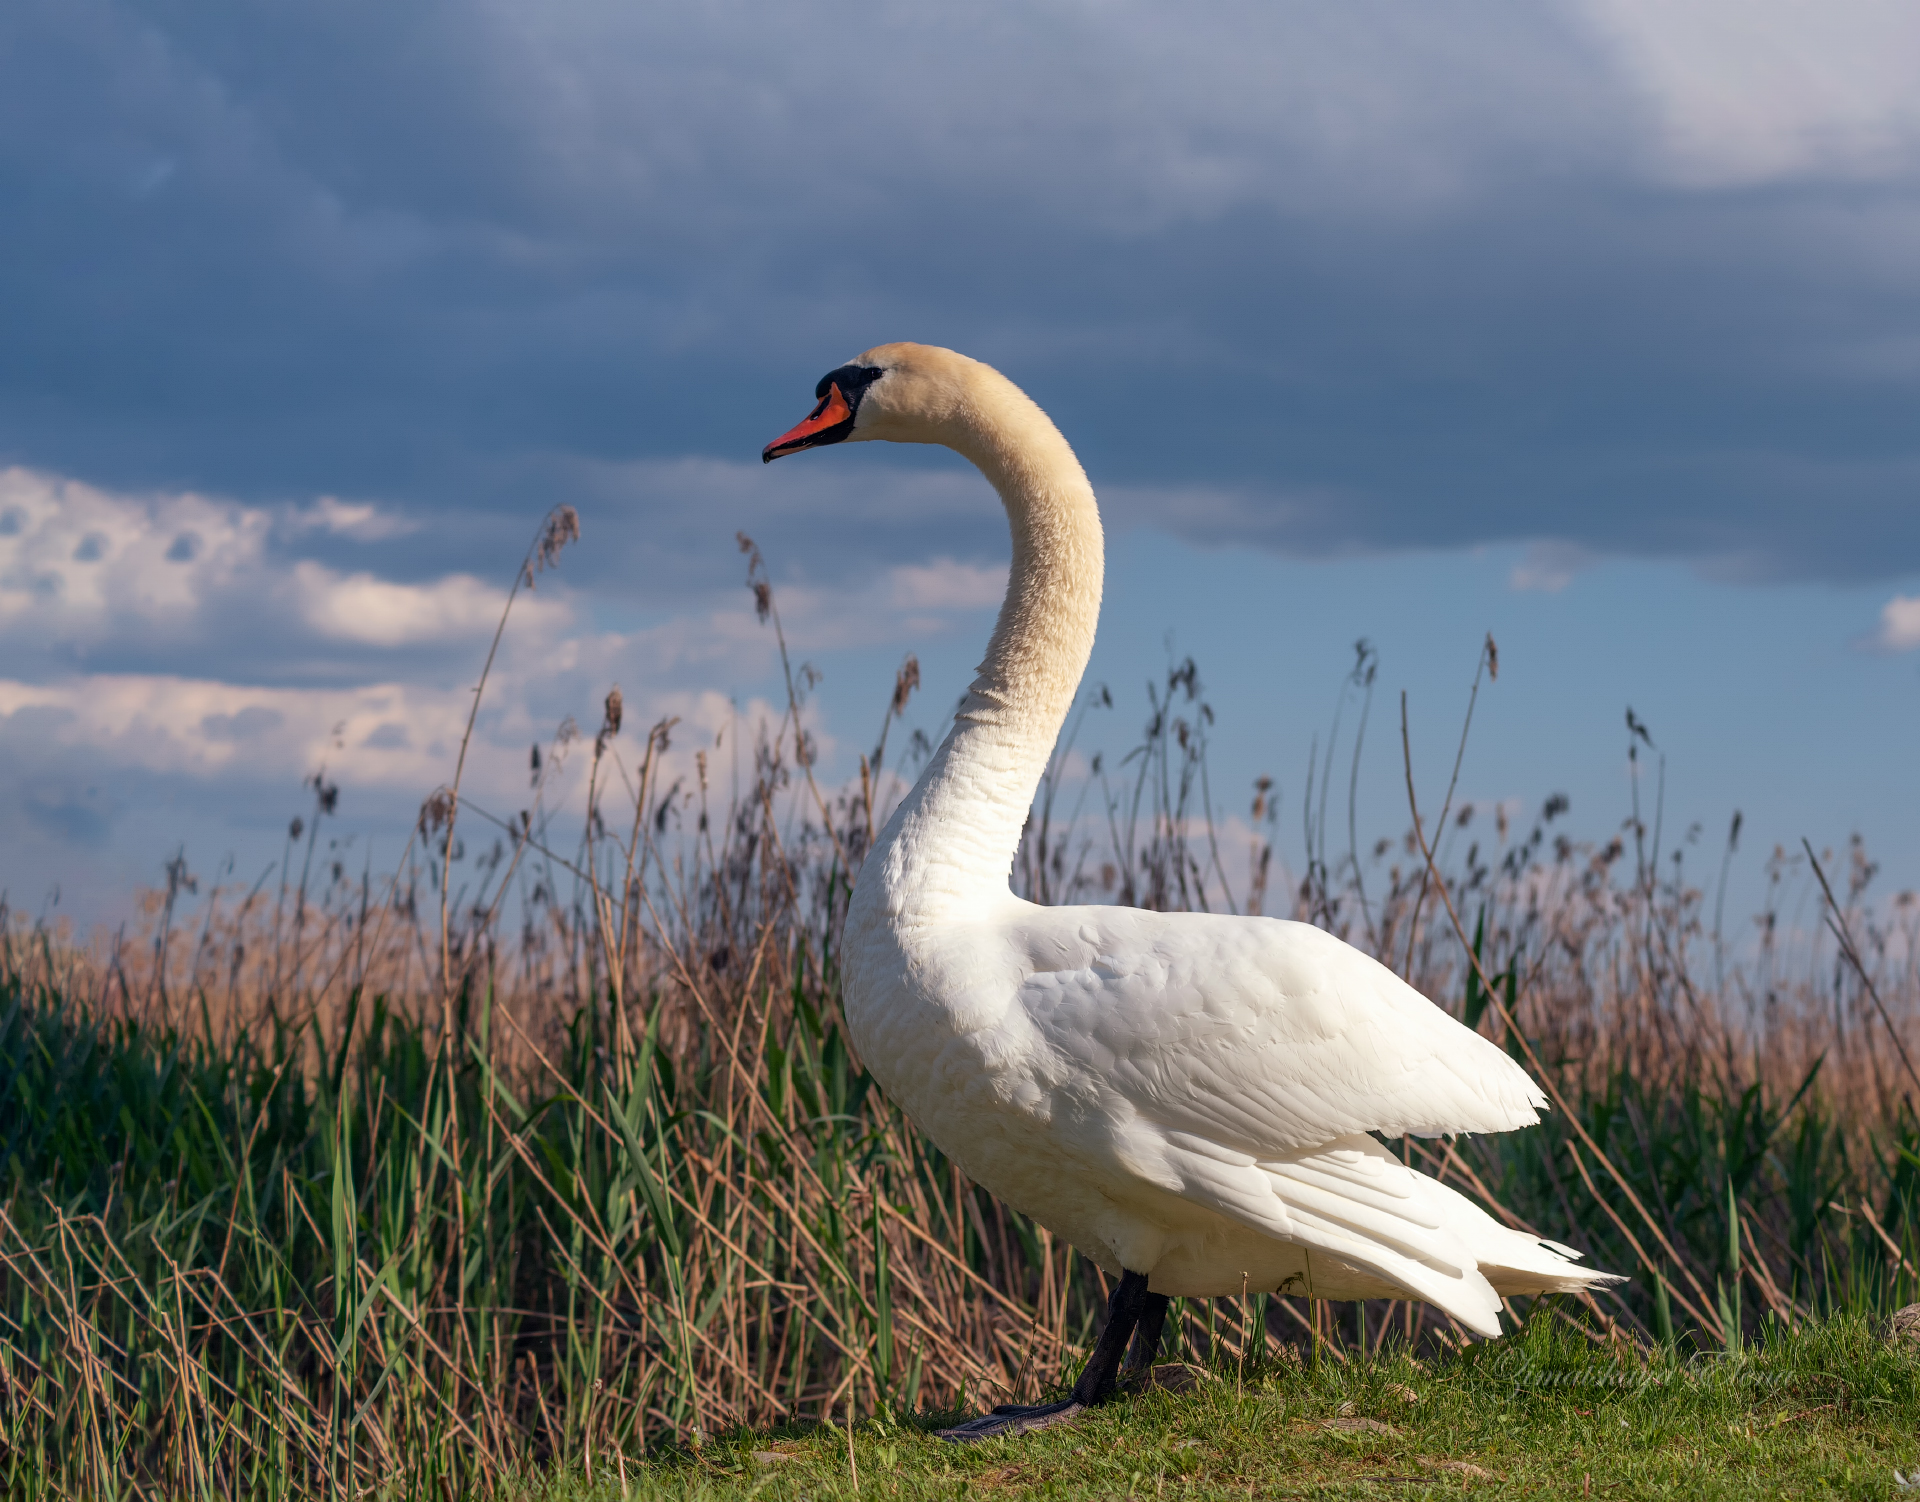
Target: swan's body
(1180, 1096)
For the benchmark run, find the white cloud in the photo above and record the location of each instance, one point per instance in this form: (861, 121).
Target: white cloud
(1899, 629)
(207, 729)
(1549, 567)
(84, 570)
(380, 613)
(904, 603)
(399, 737)
(1753, 91)
(946, 585)
(74, 560)
(1132, 116)
(357, 520)
(228, 716)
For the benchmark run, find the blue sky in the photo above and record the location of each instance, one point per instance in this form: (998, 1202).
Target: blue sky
(1596, 325)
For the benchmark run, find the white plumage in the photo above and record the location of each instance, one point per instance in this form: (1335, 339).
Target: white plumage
(1179, 1095)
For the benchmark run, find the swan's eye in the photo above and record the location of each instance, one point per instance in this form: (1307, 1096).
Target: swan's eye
(851, 379)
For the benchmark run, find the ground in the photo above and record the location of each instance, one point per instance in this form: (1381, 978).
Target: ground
(1830, 1411)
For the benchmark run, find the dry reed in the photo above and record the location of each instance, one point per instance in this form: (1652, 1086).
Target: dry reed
(557, 1149)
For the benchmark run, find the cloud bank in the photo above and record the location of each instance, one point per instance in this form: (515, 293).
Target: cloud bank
(1631, 278)
(313, 312)
(181, 663)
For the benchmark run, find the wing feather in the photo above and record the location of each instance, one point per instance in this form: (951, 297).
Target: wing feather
(1258, 1035)
(1250, 1058)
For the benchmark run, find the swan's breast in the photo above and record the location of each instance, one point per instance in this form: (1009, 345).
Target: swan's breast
(940, 1015)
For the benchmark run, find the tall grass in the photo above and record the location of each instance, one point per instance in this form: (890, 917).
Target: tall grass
(553, 1149)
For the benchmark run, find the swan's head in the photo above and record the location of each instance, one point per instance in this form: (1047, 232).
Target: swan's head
(904, 393)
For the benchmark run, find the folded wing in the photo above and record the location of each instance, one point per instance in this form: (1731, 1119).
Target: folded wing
(1263, 1035)
(1259, 1054)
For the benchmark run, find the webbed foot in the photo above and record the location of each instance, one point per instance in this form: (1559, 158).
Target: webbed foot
(1131, 1308)
(1013, 1418)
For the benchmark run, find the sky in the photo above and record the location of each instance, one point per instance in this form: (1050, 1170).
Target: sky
(1594, 325)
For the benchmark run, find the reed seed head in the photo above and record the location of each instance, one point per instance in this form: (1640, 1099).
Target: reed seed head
(437, 812)
(562, 527)
(1366, 662)
(326, 795)
(179, 878)
(757, 579)
(904, 683)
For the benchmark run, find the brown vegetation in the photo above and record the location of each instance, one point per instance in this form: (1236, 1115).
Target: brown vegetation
(553, 1144)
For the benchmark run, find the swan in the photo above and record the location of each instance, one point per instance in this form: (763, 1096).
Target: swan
(1186, 1098)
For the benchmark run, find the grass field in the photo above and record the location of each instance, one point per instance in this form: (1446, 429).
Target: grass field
(551, 1148)
(1828, 1411)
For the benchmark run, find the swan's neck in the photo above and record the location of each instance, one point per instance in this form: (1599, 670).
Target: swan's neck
(955, 837)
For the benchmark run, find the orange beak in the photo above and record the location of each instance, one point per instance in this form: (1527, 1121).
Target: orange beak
(823, 425)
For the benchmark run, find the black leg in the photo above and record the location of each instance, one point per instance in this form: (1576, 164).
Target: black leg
(1124, 1310)
(1146, 1336)
(1123, 1317)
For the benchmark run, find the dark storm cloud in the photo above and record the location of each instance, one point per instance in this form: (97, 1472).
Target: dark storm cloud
(1318, 280)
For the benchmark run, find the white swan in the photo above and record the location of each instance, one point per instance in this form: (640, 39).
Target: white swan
(1185, 1098)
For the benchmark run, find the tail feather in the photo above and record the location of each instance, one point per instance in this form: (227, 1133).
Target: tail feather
(1406, 1227)
(1402, 1233)
(1514, 1262)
